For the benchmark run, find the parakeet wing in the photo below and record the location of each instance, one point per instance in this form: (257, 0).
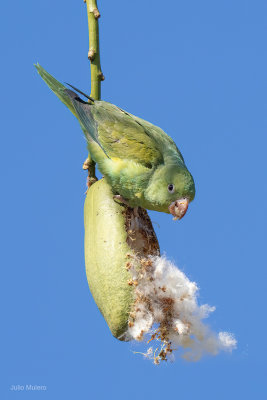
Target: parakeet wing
(85, 118)
(160, 137)
(118, 133)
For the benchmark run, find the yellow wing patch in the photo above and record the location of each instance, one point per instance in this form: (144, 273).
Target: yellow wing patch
(118, 165)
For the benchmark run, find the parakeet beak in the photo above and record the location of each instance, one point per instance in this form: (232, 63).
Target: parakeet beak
(178, 208)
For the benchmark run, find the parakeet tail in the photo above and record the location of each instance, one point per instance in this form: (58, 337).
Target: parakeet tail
(56, 87)
(79, 108)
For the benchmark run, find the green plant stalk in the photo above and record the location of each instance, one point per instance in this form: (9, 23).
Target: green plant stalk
(94, 51)
(96, 73)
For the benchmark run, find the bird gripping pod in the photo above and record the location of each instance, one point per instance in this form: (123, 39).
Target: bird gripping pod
(115, 237)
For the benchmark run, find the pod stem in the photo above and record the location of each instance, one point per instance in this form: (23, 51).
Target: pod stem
(96, 73)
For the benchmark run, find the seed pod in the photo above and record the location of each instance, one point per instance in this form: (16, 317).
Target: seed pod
(116, 237)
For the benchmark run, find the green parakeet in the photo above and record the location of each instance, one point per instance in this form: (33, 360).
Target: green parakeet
(139, 160)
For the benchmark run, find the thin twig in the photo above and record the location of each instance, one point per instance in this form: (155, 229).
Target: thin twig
(96, 73)
(94, 51)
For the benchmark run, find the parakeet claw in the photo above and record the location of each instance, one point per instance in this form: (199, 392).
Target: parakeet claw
(121, 199)
(178, 208)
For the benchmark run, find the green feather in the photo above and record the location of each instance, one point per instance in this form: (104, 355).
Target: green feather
(56, 87)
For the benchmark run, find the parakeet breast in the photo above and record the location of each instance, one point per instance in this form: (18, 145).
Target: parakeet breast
(128, 179)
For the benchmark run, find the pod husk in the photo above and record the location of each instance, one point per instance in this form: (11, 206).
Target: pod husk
(114, 235)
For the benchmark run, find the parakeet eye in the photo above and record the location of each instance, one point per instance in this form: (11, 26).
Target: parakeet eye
(171, 188)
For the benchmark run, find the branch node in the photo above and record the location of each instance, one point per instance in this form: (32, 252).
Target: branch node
(86, 164)
(101, 76)
(96, 13)
(91, 54)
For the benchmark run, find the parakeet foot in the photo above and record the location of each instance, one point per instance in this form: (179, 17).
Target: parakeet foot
(121, 199)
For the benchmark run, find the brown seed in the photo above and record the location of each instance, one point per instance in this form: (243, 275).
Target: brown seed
(128, 265)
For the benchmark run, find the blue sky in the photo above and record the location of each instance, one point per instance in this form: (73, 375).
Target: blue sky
(198, 70)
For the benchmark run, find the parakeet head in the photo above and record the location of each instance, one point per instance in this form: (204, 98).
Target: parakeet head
(171, 188)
